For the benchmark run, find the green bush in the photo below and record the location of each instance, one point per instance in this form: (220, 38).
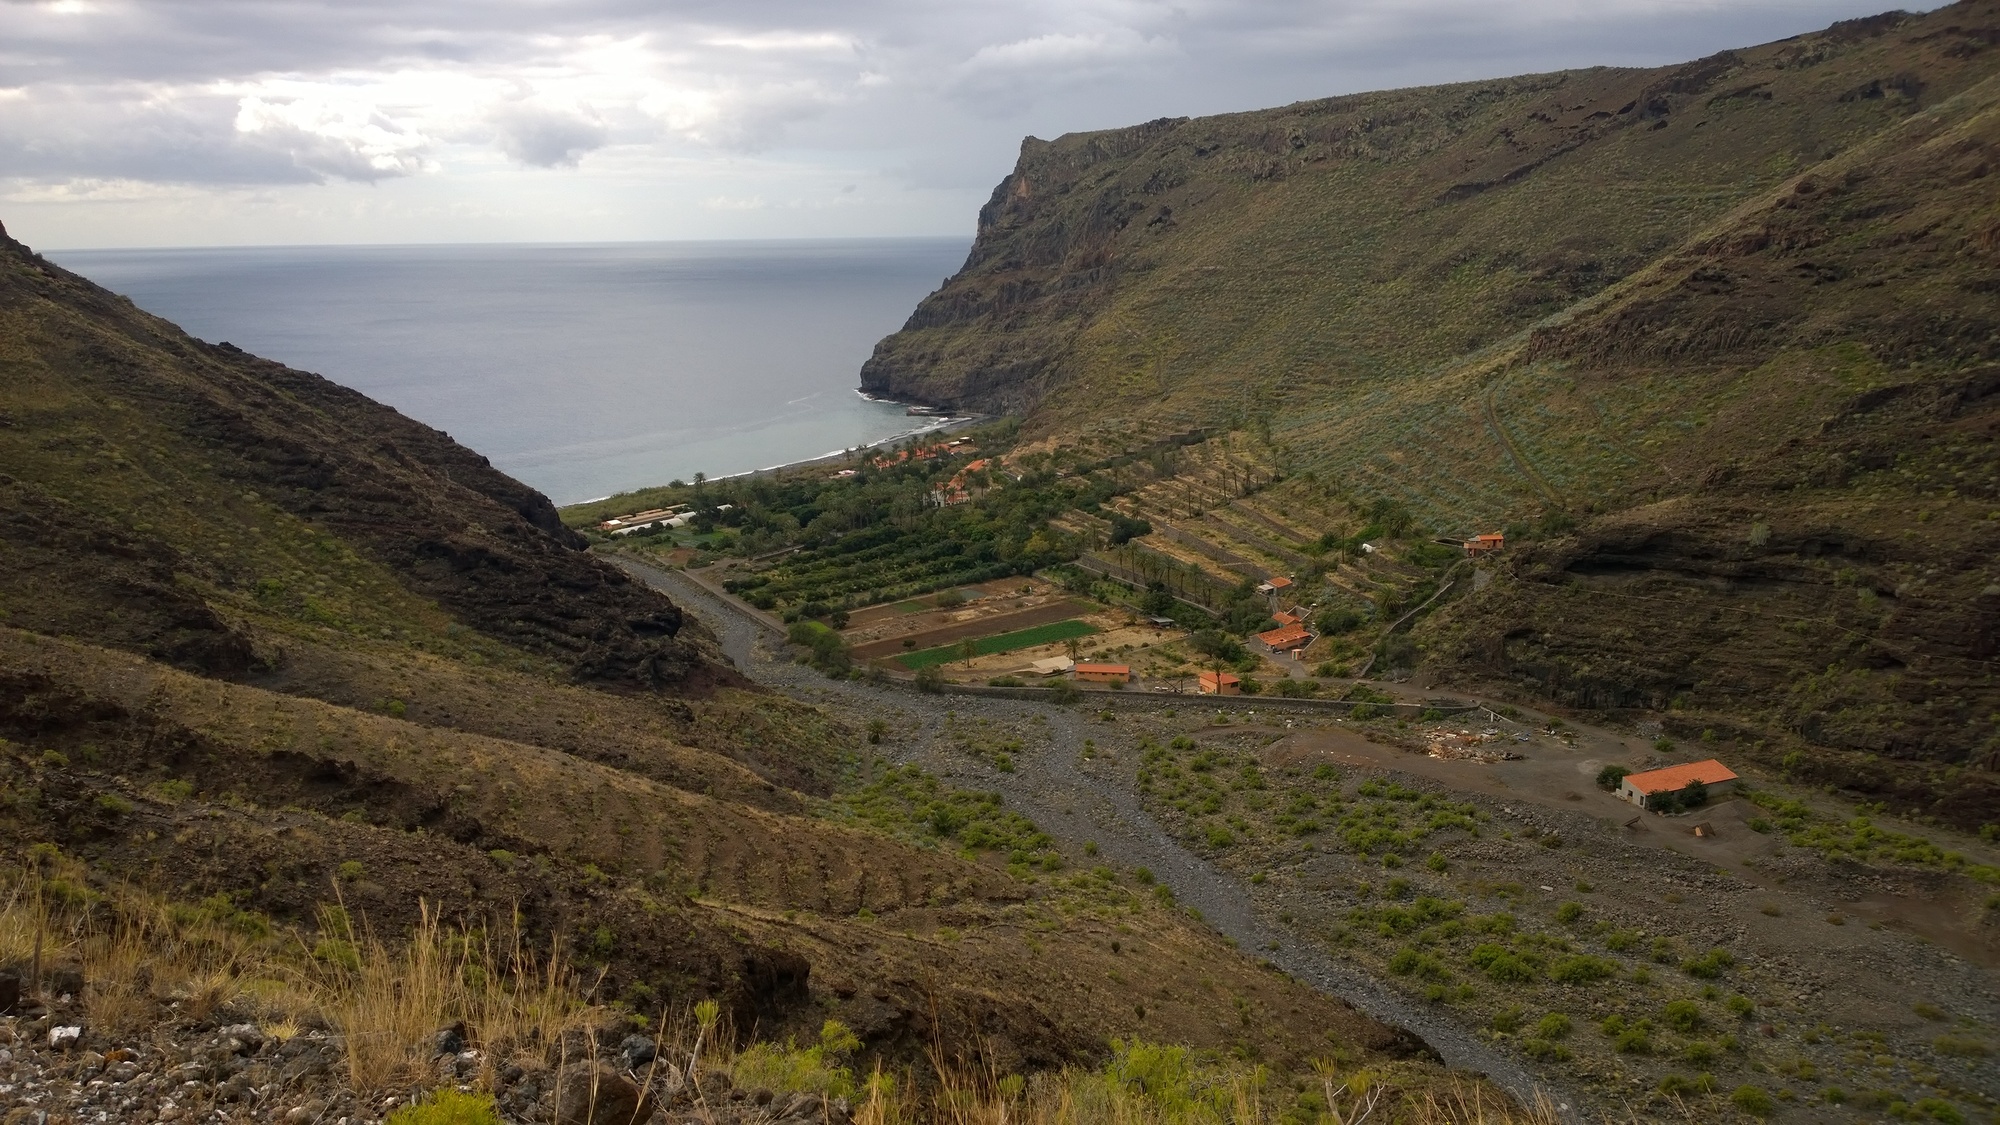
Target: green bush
(1740, 1006)
(1937, 1109)
(1611, 777)
(1555, 1025)
(1636, 1040)
(1536, 1048)
(1710, 965)
(448, 1107)
(1583, 969)
(1753, 1100)
(1684, 1016)
(827, 650)
(818, 1069)
(1505, 965)
(1569, 912)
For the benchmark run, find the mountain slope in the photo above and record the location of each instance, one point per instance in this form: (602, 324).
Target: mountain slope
(265, 644)
(1720, 336)
(201, 489)
(1270, 263)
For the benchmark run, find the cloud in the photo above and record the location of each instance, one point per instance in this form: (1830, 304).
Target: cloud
(350, 140)
(1015, 73)
(932, 95)
(548, 136)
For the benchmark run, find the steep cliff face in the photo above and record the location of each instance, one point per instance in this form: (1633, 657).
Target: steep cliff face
(1722, 335)
(1267, 262)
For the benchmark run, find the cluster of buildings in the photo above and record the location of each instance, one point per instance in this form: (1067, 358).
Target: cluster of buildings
(654, 519)
(676, 516)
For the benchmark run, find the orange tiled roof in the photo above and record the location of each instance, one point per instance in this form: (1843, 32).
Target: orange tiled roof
(1284, 635)
(1226, 678)
(1104, 669)
(1278, 582)
(1287, 618)
(1672, 779)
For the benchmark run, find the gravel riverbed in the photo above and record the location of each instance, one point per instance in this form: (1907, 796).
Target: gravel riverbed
(1076, 800)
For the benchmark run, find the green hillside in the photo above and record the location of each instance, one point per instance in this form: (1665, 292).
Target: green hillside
(272, 654)
(1719, 336)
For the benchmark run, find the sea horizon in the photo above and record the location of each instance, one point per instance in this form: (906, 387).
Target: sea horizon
(585, 369)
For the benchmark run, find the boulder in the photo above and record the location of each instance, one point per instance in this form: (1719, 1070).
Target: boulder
(595, 1094)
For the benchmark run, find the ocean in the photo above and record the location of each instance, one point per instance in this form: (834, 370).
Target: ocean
(583, 370)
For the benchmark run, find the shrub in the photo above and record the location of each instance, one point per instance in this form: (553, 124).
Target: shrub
(114, 804)
(1569, 912)
(1959, 1046)
(1740, 1006)
(1504, 965)
(1937, 1109)
(1710, 965)
(1753, 1100)
(1699, 1052)
(827, 651)
(1555, 1025)
(816, 1069)
(350, 871)
(1507, 1020)
(930, 678)
(1634, 1040)
(448, 1107)
(1583, 969)
(1544, 1050)
(1610, 777)
(1684, 1016)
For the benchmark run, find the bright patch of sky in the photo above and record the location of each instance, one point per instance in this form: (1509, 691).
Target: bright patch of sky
(203, 122)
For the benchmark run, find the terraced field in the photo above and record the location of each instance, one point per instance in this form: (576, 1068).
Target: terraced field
(1003, 642)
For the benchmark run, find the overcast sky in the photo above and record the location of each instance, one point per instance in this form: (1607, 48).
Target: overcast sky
(208, 122)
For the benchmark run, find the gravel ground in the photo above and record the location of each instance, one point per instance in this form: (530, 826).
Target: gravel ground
(1076, 800)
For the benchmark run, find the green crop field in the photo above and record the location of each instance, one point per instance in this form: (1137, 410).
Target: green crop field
(1004, 642)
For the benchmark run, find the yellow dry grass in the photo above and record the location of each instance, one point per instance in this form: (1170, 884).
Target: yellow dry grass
(388, 1002)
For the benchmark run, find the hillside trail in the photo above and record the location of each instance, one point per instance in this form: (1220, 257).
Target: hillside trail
(1079, 800)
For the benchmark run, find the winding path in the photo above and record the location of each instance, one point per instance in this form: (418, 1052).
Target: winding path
(1080, 800)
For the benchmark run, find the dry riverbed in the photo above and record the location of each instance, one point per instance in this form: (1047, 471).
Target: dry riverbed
(1520, 927)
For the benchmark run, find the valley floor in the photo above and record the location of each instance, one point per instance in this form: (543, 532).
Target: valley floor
(1828, 1020)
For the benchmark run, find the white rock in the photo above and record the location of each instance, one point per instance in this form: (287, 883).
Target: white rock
(62, 1038)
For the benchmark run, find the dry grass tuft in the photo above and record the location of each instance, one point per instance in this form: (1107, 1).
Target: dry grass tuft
(389, 1002)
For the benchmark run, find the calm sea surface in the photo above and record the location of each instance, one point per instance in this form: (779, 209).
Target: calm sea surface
(583, 370)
